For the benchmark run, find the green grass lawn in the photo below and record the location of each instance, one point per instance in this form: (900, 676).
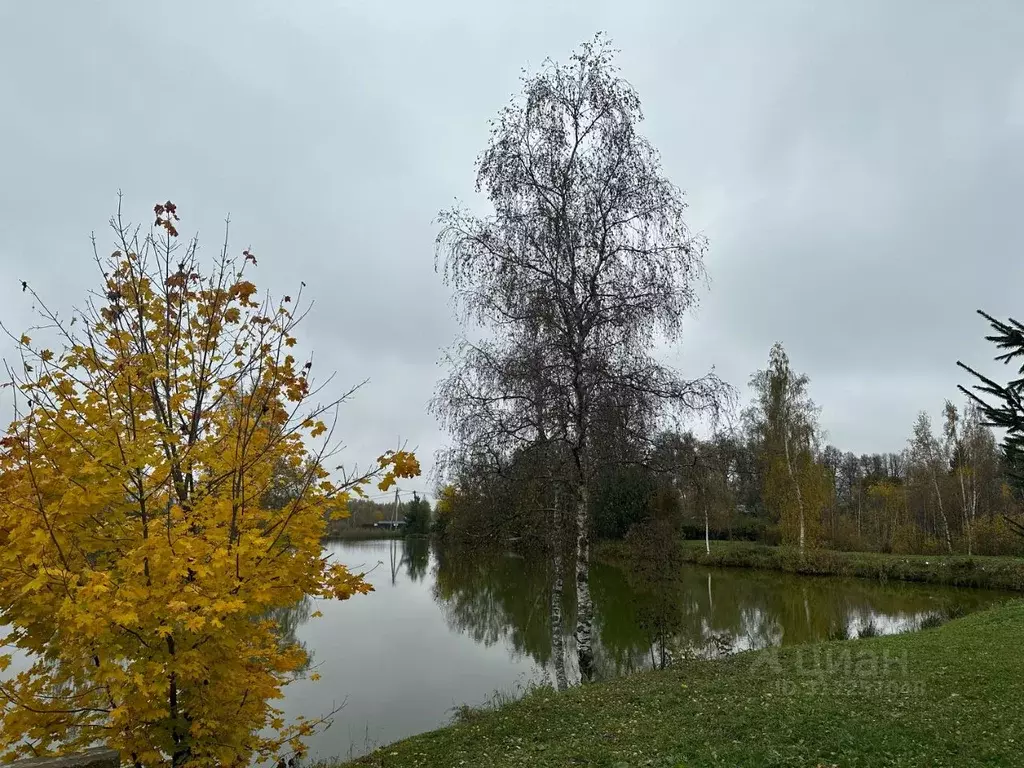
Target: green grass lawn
(949, 696)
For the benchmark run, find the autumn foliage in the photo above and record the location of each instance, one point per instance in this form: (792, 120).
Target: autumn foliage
(139, 557)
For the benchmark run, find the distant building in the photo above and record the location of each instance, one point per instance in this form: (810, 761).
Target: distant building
(389, 524)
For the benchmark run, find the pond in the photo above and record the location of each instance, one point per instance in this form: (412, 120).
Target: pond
(444, 629)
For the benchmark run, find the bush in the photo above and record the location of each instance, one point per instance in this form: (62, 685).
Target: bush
(869, 630)
(992, 536)
(836, 633)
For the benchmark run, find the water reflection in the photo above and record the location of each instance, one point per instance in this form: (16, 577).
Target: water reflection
(704, 612)
(446, 627)
(416, 557)
(496, 598)
(412, 553)
(288, 621)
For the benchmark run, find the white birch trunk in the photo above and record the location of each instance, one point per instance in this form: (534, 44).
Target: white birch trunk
(974, 500)
(799, 496)
(584, 605)
(942, 512)
(966, 511)
(557, 585)
(707, 533)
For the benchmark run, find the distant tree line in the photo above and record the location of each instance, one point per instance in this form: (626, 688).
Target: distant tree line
(415, 513)
(774, 479)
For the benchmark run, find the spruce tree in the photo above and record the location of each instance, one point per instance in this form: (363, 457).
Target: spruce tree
(1003, 407)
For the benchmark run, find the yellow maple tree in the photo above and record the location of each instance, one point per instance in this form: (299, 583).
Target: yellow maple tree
(139, 562)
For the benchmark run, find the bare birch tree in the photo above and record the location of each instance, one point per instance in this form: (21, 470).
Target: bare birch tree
(963, 437)
(584, 263)
(931, 456)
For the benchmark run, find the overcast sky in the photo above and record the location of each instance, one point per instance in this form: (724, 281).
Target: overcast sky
(857, 167)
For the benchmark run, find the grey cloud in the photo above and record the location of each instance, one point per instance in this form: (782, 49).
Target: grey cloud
(857, 169)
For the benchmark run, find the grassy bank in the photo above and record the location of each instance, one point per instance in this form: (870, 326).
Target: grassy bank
(948, 696)
(363, 534)
(955, 570)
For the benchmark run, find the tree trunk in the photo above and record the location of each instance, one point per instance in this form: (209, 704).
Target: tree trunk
(859, 534)
(557, 641)
(181, 751)
(974, 500)
(799, 496)
(707, 533)
(966, 512)
(942, 512)
(584, 605)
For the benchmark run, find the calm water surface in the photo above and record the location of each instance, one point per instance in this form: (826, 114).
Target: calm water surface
(442, 629)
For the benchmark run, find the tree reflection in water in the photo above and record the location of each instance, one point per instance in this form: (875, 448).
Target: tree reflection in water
(288, 621)
(505, 598)
(494, 597)
(704, 612)
(416, 557)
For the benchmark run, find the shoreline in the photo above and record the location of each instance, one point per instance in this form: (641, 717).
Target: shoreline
(977, 571)
(371, 534)
(944, 696)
